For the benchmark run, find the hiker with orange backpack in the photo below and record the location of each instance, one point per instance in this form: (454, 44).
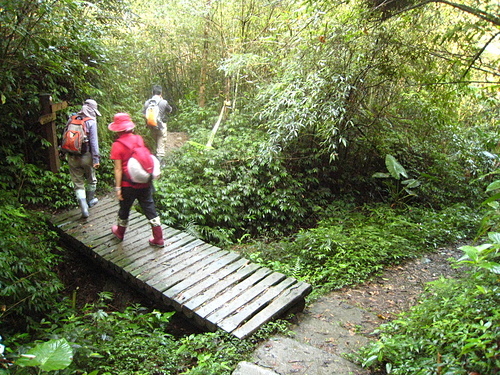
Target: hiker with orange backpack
(81, 144)
(127, 191)
(154, 111)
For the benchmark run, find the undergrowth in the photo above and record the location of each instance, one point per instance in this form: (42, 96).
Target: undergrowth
(455, 328)
(133, 341)
(231, 192)
(352, 244)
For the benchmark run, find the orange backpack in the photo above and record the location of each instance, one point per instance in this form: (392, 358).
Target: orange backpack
(74, 139)
(152, 113)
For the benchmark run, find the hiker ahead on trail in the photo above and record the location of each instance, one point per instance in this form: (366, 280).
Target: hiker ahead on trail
(127, 147)
(80, 143)
(154, 111)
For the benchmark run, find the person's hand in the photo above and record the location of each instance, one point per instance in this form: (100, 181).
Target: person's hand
(118, 192)
(96, 165)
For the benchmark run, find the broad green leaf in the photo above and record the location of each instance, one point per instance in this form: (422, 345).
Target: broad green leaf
(495, 205)
(49, 356)
(491, 266)
(395, 169)
(381, 175)
(471, 253)
(491, 199)
(412, 183)
(494, 237)
(493, 186)
(410, 192)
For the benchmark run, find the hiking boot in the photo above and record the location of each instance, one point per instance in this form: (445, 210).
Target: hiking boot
(157, 239)
(82, 200)
(91, 198)
(119, 230)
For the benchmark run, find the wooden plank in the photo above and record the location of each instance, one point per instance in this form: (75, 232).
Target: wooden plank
(277, 307)
(145, 271)
(201, 289)
(178, 293)
(237, 301)
(106, 243)
(69, 216)
(231, 292)
(48, 117)
(174, 249)
(115, 249)
(181, 250)
(123, 249)
(231, 322)
(218, 288)
(181, 253)
(105, 219)
(138, 276)
(173, 266)
(214, 289)
(143, 252)
(186, 287)
(58, 106)
(134, 235)
(106, 207)
(128, 249)
(75, 214)
(76, 224)
(190, 267)
(126, 260)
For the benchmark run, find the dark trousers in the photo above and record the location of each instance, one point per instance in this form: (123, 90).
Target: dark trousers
(145, 198)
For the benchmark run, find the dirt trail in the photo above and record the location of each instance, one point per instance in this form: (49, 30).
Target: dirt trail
(175, 140)
(342, 321)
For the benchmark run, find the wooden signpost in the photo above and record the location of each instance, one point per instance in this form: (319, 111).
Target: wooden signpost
(48, 120)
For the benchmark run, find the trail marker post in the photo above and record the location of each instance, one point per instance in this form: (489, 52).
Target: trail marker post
(48, 120)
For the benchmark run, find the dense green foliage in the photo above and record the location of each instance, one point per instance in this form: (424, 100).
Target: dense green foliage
(28, 284)
(351, 243)
(134, 341)
(44, 49)
(232, 191)
(454, 330)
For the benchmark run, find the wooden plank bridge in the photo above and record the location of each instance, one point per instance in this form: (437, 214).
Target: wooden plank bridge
(216, 288)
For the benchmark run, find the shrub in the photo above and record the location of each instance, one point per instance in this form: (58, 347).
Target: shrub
(455, 328)
(28, 285)
(135, 341)
(353, 243)
(229, 192)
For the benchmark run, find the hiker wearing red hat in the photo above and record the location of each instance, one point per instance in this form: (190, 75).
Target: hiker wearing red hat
(126, 190)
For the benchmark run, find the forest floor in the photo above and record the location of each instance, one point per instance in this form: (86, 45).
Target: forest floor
(175, 140)
(329, 328)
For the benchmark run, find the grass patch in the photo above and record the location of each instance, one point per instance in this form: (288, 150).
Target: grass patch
(351, 244)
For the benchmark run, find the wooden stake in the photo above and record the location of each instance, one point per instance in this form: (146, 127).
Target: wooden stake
(47, 119)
